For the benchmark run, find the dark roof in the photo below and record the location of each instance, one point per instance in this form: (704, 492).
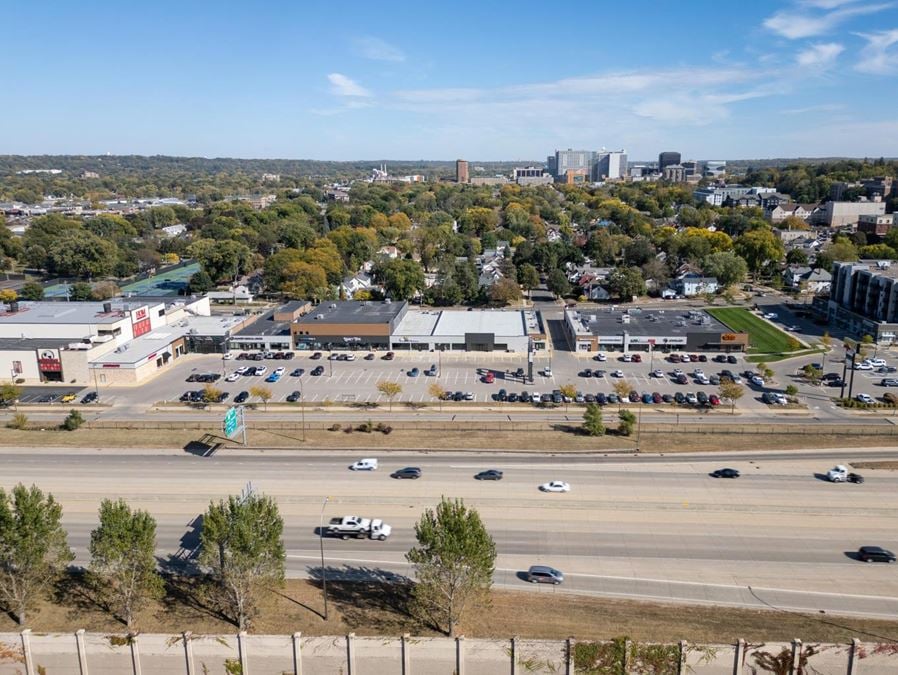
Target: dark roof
(264, 325)
(651, 322)
(25, 344)
(354, 311)
(292, 306)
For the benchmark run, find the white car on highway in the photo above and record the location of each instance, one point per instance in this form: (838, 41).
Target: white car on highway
(555, 486)
(233, 377)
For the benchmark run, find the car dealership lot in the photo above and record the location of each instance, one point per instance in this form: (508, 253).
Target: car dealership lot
(356, 381)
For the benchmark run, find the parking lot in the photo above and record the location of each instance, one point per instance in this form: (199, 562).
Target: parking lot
(356, 381)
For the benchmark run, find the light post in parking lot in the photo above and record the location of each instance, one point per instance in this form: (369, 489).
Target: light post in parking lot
(302, 410)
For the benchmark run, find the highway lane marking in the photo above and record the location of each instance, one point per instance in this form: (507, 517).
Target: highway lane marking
(747, 587)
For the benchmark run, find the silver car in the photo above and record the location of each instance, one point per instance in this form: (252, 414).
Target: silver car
(542, 574)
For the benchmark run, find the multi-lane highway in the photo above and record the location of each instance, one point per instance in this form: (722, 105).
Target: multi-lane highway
(650, 527)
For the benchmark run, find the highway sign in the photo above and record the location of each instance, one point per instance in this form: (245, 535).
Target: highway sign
(230, 422)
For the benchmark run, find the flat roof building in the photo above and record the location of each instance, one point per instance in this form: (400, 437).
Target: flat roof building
(477, 330)
(348, 324)
(863, 299)
(643, 330)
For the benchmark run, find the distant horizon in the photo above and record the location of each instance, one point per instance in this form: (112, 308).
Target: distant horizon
(771, 78)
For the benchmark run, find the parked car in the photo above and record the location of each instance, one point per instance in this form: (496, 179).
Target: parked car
(241, 397)
(369, 356)
(724, 473)
(601, 356)
(389, 356)
(586, 373)
(432, 371)
(702, 398)
(90, 397)
(318, 370)
(541, 574)
(297, 372)
(863, 365)
(617, 373)
(601, 399)
(691, 398)
(68, 398)
(714, 400)
(680, 397)
(731, 358)
(414, 372)
(598, 373)
(232, 377)
(657, 373)
(294, 397)
(316, 356)
(888, 382)
(865, 398)
(261, 370)
(634, 396)
(637, 358)
(489, 378)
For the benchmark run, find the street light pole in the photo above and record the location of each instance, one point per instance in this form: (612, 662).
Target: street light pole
(302, 410)
(321, 543)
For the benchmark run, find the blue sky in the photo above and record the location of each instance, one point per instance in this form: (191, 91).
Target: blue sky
(474, 79)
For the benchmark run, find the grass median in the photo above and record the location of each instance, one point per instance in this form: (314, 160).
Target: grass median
(764, 337)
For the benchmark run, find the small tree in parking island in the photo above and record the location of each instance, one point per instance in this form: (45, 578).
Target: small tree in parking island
(730, 391)
(389, 389)
(123, 559)
(568, 391)
(242, 549)
(454, 563)
(262, 393)
(622, 389)
(592, 420)
(212, 394)
(33, 547)
(437, 392)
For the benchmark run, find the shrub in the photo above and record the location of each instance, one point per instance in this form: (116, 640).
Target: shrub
(73, 421)
(335, 427)
(387, 429)
(18, 421)
(347, 429)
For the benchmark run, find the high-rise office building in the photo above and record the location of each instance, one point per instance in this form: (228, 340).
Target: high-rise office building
(571, 160)
(461, 171)
(610, 165)
(667, 159)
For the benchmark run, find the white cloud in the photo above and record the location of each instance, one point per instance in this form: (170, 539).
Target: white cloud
(820, 55)
(800, 24)
(823, 107)
(378, 50)
(827, 4)
(876, 57)
(345, 86)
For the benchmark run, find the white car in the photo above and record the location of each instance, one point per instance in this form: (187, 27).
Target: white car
(757, 380)
(702, 379)
(771, 315)
(547, 372)
(469, 396)
(280, 371)
(261, 370)
(658, 373)
(617, 373)
(233, 377)
(242, 370)
(228, 356)
(627, 358)
(865, 398)
(350, 357)
(536, 397)
(698, 372)
(863, 365)
(737, 379)
(877, 363)
(684, 358)
(555, 486)
(677, 372)
(601, 356)
(367, 464)
(781, 399)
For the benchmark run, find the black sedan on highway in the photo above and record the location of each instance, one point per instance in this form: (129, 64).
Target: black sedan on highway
(875, 554)
(407, 472)
(725, 473)
(489, 474)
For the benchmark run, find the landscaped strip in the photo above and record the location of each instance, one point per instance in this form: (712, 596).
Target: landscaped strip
(764, 337)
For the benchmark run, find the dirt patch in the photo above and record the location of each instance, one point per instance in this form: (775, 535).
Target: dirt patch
(399, 439)
(886, 465)
(376, 609)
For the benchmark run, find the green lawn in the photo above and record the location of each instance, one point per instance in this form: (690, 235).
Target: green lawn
(765, 337)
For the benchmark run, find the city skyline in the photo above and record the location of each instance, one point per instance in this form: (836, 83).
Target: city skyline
(803, 78)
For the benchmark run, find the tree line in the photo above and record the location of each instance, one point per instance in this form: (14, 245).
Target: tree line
(240, 559)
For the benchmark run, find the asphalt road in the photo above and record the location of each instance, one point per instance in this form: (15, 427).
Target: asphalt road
(652, 527)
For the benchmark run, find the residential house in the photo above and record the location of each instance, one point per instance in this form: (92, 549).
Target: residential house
(361, 281)
(815, 280)
(693, 283)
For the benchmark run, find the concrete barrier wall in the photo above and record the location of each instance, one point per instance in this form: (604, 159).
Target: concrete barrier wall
(81, 653)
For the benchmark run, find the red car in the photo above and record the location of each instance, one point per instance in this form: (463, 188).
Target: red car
(489, 378)
(714, 399)
(637, 358)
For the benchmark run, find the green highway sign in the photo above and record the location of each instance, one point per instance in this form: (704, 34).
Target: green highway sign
(230, 422)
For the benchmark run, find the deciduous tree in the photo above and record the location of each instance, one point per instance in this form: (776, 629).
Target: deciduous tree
(262, 393)
(454, 563)
(389, 389)
(123, 559)
(730, 391)
(242, 549)
(33, 547)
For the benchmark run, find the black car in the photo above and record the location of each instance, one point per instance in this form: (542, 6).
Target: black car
(316, 356)
(702, 398)
(250, 372)
(502, 395)
(193, 377)
(489, 474)
(680, 397)
(407, 472)
(601, 399)
(513, 398)
(298, 372)
(598, 373)
(318, 370)
(875, 554)
(222, 397)
(732, 359)
(720, 358)
(525, 397)
(294, 397)
(241, 397)
(289, 355)
(186, 396)
(519, 372)
(90, 397)
(369, 356)
(586, 373)
(458, 396)
(725, 473)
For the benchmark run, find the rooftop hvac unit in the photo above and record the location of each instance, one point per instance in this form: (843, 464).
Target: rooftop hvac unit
(107, 308)
(333, 305)
(318, 317)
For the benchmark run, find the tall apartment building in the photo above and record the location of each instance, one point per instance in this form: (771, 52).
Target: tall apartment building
(461, 171)
(864, 299)
(532, 175)
(610, 165)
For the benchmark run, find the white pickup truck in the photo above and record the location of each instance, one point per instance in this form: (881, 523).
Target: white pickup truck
(358, 528)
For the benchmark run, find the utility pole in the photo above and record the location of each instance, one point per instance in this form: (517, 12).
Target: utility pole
(321, 543)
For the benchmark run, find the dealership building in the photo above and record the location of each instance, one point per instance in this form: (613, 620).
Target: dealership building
(355, 324)
(637, 330)
(121, 341)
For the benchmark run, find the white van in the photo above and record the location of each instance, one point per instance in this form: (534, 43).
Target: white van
(368, 464)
